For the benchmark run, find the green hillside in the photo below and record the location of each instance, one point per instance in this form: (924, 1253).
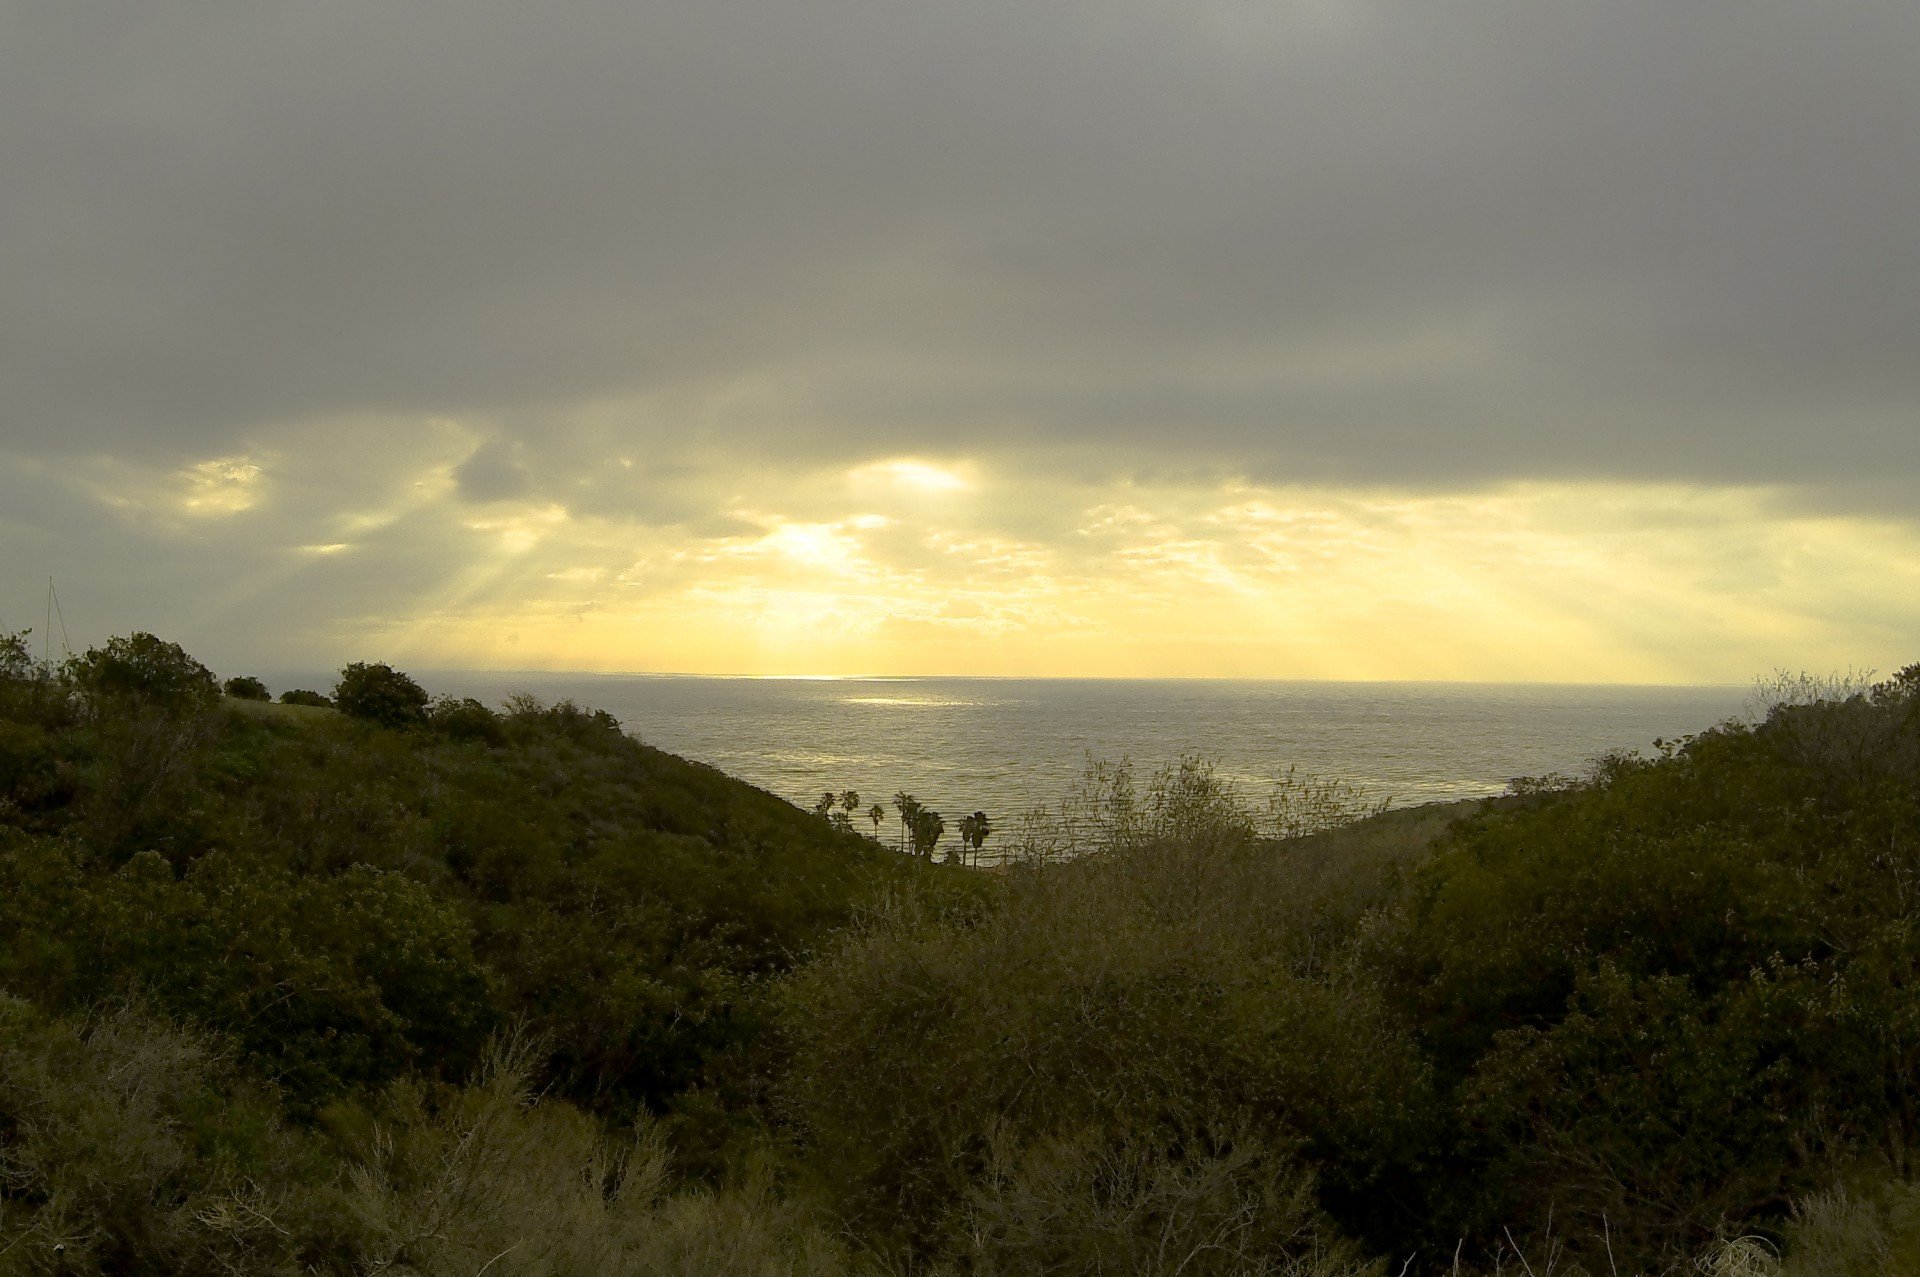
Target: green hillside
(372, 984)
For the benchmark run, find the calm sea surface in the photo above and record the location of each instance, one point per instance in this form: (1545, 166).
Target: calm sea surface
(1008, 745)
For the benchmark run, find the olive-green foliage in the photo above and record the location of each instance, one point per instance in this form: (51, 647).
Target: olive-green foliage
(380, 694)
(451, 1182)
(1619, 1024)
(1224, 1203)
(245, 687)
(301, 696)
(538, 862)
(16, 658)
(129, 1145)
(144, 671)
(1870, 1228)
(1114, 1060)
(1664, 1003)
(327, 982)
(465, 718)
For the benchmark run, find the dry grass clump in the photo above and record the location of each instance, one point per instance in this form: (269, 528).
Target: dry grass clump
(1869, 1229)
(125, 1146)
(495, 1180)
(1084, 1203)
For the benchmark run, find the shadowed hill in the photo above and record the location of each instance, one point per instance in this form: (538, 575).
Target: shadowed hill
(551, 870)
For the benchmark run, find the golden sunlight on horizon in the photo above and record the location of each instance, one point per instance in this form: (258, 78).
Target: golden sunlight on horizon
(907, 567)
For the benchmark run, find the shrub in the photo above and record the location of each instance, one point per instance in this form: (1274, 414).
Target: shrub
(1868, 1227)
(326, 982)
(301, 696)
(131, 1145)
(380, 694)
(449, 1183)
(466, 719)
(1225, 1205)
(245, 687)
(140, 670)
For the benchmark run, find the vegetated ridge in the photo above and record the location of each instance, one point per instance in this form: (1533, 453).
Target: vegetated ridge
(367, 982)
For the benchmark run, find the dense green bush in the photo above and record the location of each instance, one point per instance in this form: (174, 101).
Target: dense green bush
(327, 982)
(466, 719)
(141, 672)
(245, 687)
(1664, 1003)
(380, 694)
(301, 696)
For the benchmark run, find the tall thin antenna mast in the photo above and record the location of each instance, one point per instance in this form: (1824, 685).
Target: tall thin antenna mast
(54, 595)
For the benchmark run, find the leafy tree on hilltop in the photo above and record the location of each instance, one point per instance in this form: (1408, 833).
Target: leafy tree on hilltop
(380, 694)
(140, 669)
(245, 687)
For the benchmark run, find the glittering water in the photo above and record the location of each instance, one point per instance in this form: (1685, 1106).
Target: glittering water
(1008, 745)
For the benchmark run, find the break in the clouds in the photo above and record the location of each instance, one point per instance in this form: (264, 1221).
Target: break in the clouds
(436, 324)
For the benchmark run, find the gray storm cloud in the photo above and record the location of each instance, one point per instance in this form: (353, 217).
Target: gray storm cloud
(1364, 242)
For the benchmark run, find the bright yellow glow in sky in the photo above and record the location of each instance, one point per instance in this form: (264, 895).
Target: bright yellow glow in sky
(1537, 581)
(911, 565)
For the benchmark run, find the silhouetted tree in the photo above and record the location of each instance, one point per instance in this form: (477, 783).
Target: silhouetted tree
(974, 830)
(140, 669)
(380, 694)
(909, 807)
(926, 829)
(245, 687)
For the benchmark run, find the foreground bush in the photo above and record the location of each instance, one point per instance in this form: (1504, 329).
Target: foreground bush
(452, 1182)
(128, 1145)
(133, 1146)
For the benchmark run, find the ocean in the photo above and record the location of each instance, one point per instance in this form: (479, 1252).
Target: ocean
(1007, 746)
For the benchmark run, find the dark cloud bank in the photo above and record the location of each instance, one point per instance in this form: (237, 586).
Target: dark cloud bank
(1360, 242)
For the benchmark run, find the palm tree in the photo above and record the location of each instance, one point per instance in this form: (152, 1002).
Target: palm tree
(876, 813)
(851, 801)
(974, 830)
(909, 808)
(927, 828)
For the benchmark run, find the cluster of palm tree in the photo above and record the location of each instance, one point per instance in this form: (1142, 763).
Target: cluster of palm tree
(837, 809)
(921, 828)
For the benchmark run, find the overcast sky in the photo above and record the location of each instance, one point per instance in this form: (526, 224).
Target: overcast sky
(1320, 339)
